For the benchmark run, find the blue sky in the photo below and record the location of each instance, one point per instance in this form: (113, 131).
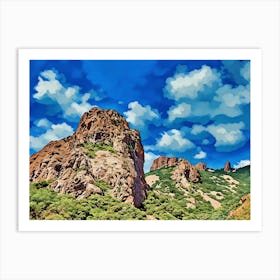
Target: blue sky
(195, 109)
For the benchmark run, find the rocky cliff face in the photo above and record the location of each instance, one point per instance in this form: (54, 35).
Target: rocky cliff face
(163, 161)
(103, 150)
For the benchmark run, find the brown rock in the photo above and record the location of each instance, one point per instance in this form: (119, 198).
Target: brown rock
(185, 172)
(201, 166)
(103, 148)
(194, 175)
(227, 167)
(163, 161)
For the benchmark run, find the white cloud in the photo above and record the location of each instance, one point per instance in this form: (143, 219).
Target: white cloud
(47, 87)
(97, 95)
(205, 93)
(49, 90)
(221, 109)
(76, 108)
(197, 129)
(205, 142)
(149, 147)
(49, 74)
(231, 97)
(54, 132)
(202, 108)
(226, 100)
(44, 123)
(229, 134)
(200, 155)
(139, 115)
(149, 159)
(173, 140)
(242, 163)
(180, 111)
(188, 85)
(245, 71)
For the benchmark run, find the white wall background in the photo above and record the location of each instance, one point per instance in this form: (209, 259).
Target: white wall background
(89, 24)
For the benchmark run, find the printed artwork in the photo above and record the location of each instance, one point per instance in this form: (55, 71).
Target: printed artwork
(139, 139)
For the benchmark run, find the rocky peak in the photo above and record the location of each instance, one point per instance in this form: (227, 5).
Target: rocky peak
(227, 167)
(201, 166)
(100, 125)
(103, 150)
(163, 161)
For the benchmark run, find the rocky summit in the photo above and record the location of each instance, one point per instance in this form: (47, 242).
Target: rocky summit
(103, 153)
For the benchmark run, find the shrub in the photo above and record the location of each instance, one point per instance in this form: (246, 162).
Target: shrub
(103, 185)
(41, 184)
(91, 149)
(81, 168)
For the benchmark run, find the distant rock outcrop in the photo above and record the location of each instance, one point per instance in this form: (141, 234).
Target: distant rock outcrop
(184, 169)
(103, 150)
(201, 166)
(227, 167)
(163, 161)
(184, 172)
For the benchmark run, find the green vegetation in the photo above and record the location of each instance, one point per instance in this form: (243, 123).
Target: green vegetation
(42, 184)
(91, 149)
(165, 200)
(130, 148)
(102, 185)
(232, 193)
(46, 204)
(81, 168)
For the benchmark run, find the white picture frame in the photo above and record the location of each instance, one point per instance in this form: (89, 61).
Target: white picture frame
(253, 55)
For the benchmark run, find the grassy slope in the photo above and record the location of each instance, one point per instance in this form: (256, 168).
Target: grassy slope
(243, 211)
(165, 200)
(211, 181)
(46, 204)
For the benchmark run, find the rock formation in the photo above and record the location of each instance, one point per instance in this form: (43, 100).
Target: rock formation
(227, 167)
(184, 172)
(163, 161)
(201, 166)
(184, 169)
(103, 150)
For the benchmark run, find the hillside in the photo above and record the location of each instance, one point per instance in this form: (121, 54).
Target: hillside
(97, 174)
(218, 195)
